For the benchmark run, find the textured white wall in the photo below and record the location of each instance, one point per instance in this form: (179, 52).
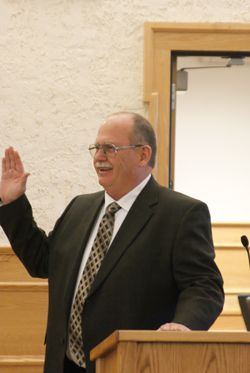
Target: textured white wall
(65, 65)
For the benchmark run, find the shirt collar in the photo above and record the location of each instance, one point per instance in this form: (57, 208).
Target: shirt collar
(127, 201)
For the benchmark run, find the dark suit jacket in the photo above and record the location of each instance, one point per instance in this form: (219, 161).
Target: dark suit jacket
(159, 268)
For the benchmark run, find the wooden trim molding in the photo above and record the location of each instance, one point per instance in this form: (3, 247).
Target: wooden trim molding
(160, 41)
(17, 360)
(24, 287)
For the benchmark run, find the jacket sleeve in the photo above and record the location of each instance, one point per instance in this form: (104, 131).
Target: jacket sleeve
(200, 284)
(29, 242)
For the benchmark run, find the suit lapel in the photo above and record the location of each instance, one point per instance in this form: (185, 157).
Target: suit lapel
(138, 216)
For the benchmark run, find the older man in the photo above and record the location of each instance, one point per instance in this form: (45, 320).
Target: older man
(133, 256)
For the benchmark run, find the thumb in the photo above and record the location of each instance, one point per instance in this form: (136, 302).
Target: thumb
(25, 178)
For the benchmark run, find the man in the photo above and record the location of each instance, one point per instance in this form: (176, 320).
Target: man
(158, 271)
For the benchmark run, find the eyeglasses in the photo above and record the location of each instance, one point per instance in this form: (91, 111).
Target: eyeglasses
(110, 149)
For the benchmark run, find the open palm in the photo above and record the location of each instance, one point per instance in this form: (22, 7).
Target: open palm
(14, 179)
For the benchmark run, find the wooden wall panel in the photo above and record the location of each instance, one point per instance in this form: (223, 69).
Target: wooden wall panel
(11, 268)
(230, 233)
(232, 260)
(23, 315)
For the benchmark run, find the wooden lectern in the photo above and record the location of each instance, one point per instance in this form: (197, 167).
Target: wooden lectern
(173, 352)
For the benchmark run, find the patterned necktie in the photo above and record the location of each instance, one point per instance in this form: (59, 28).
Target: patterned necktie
(98, 251)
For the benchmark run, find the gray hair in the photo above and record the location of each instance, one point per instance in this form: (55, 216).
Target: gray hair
(143, 133)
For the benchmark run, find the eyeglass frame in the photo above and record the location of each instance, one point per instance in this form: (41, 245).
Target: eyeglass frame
(115, 148)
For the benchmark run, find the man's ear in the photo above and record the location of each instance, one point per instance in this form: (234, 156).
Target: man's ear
(145, 155)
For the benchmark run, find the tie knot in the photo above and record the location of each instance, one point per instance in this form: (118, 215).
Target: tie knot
(112, 208)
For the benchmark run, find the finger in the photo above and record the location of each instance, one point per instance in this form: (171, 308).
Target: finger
(18, 162)
(9, 158)
(12, 158)
(169, 327)
(25, 177)
(3, 165)
(164, 327)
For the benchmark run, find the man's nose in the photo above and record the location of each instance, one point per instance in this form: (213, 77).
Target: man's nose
(100, 154)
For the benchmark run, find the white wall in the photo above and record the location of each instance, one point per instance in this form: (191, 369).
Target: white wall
(65, 65)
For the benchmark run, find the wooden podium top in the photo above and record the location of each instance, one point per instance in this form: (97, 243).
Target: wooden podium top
(158, 336)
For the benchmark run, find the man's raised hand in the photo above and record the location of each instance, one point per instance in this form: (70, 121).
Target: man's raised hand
(14, 178)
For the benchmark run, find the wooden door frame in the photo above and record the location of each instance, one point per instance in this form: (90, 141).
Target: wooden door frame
(161, 40)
